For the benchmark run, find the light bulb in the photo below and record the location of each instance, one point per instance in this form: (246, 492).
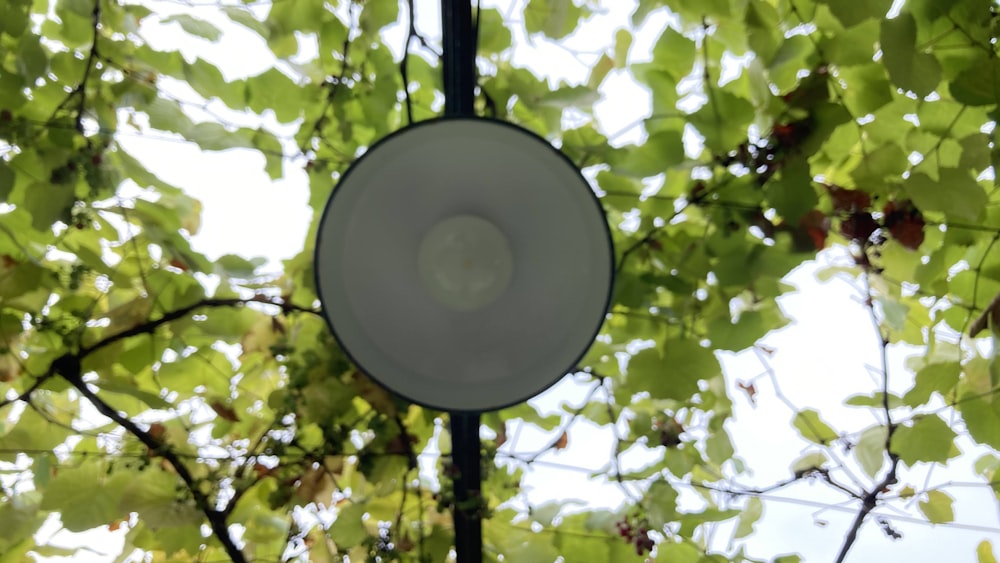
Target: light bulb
(465, 262)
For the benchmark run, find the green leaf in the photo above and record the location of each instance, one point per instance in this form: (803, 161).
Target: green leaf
(984, 552)
(873, 401)
(245, 17)
(377, 15)
(674, 53)
(31, 61)
(548, 511)
(854, 46)
(763, 29)
(938, 507)
(719, 448)
(674, 552)
(6, 181)
(791, 193)
(31, 433)
(570, 96)
(789, 60)
(909, 69)
(127, 387)
(932, 378)
(19, 518)
(928, 439)
(494, 36)
(662, 150)
(273, 90)
(661, 504)
(195, 26)
(206, 79)
(870, 450)
(851, 13)
(238, 266)
(748, 329)
(348, 529)
(555, 18)
(211, 136)
(208, 368)
(153, 494)
(13, 18)
(274, 158)
(673, 373)
(723, 120)
(812, 428)
(867, 88)
(71, 493)
(977, 85)
(623, 41)
(956, 193)
(752, 512)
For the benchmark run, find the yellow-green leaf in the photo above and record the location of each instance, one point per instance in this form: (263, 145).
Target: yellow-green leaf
(938, 507)
(812, 427)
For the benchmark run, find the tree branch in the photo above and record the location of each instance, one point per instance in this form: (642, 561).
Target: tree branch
(68, 366)
(870, 499)
(333, 85)
(404, 63)
(70, 371)
(554, 443)
(79, 92)
(26, 394)
(151, 326)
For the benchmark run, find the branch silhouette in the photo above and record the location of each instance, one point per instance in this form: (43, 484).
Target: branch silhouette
(872, 496)
(68, 366)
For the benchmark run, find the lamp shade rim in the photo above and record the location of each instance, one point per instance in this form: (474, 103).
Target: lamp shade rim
(474, 396)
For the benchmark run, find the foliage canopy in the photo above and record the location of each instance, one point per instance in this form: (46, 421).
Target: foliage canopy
(207, 402)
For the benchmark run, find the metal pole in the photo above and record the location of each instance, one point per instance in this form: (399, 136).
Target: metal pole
(459, 58)
(459, 61)
(466, 456)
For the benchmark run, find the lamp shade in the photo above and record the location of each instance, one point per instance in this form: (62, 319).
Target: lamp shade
(464, 264)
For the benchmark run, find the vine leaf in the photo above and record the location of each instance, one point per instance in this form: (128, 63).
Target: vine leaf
(870, 450)
(938, 507)
(812, 428)
(349, 529)
(79, 508)
(984, 552)
(673, 373)
(751, 514)
(976, 85)
(195, 26)
(909, 69)
(956, 193)
(928, 439)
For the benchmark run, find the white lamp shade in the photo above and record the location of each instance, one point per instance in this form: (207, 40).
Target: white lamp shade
(464, 264)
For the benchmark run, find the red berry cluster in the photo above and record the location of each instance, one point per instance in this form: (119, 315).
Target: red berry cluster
(635, 532)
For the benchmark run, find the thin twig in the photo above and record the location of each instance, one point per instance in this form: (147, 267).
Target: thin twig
(404, 63)
(871, 498)
(151, 326)
(554, 443)
(216, 518)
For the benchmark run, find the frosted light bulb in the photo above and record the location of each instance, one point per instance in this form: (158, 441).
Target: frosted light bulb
(465, 262)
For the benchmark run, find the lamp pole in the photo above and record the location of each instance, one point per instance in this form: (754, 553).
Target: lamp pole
(459, 61)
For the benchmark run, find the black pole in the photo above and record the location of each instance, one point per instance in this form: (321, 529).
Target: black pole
(459, 61)
(466, 456)
(459, 58)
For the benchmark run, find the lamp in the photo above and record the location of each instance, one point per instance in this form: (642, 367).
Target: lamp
(464, 264)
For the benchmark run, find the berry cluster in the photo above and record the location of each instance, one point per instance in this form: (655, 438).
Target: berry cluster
(635, 532)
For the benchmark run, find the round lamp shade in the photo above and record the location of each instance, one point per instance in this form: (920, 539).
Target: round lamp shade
(464, 264)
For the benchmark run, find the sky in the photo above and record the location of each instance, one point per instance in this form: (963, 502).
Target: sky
(822, 358)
